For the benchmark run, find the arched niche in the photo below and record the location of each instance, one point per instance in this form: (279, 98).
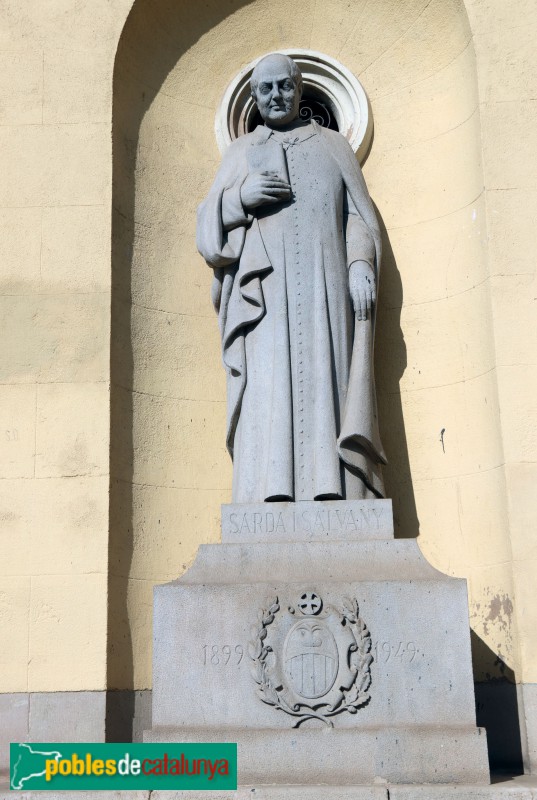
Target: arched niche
(435, 350)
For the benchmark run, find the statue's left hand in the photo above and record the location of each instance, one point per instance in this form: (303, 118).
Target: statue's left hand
(362, 287)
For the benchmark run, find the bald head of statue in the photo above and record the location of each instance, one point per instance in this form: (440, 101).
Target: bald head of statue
(276, 86)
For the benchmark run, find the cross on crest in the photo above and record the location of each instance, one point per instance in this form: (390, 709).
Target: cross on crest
(310, 603)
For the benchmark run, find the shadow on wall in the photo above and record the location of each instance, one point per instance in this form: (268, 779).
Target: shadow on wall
(143, 61)
(496, 705)
(390, 365)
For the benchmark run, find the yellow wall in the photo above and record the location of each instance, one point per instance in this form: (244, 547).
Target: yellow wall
(453, 175)
(507, 73)
(56, 62)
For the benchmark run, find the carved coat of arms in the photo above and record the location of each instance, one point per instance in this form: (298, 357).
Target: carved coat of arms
(311, 661)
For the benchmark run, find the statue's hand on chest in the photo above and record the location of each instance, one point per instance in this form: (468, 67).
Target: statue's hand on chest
(263, 188)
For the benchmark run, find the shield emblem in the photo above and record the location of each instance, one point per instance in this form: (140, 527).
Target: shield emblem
(311, 658)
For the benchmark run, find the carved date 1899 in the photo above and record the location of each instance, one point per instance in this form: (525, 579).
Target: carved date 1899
(222, 656)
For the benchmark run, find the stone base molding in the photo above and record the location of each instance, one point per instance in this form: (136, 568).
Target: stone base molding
(524, 788)
(71, 717)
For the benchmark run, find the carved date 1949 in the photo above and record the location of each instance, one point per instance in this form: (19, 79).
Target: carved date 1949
(388, 651)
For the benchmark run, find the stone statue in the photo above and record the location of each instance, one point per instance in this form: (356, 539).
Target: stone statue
(291, 233)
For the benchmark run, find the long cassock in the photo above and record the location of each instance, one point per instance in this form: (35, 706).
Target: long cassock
(302, 416)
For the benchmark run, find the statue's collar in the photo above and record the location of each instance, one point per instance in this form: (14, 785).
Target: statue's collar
(297, 136)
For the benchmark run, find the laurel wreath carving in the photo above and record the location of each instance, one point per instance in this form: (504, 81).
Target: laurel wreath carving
(360, 660)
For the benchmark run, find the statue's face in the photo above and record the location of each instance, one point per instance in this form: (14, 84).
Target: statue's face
(276, 94)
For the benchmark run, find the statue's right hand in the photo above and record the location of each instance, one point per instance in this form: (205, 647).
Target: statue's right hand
(262, 188)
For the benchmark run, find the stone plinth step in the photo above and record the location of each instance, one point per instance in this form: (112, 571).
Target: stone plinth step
(522, 788)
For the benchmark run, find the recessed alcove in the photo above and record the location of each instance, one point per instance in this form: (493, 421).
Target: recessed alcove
(434, 349)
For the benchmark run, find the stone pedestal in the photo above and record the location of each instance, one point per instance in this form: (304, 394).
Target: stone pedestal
(331, 652)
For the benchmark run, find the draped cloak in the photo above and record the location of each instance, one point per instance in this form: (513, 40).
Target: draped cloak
(301, 404)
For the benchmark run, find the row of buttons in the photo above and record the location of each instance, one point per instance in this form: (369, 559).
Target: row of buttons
(299, 332)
